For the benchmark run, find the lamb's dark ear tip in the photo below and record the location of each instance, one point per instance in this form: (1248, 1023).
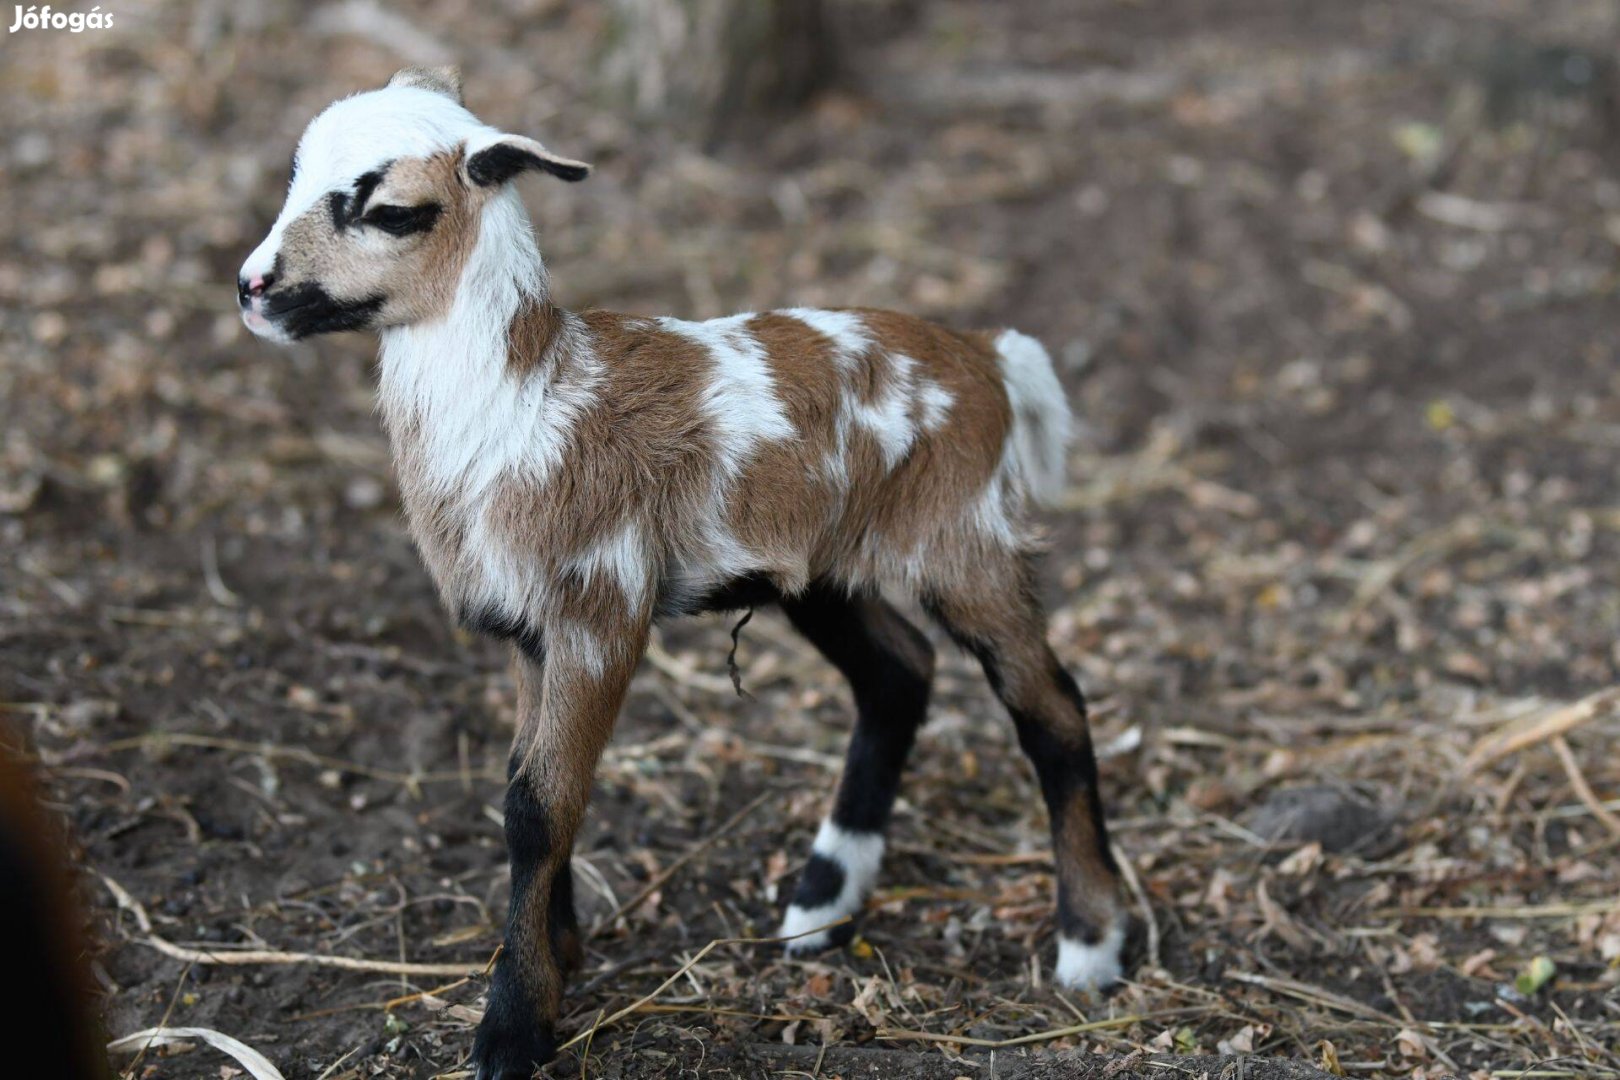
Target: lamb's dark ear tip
(500, 161)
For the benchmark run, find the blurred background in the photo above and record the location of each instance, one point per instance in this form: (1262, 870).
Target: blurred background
(1333, 286)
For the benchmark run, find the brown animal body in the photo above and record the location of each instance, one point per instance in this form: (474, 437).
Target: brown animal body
(46, 952)
(572, 477)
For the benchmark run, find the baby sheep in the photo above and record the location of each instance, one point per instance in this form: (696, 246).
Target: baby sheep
(571, 477)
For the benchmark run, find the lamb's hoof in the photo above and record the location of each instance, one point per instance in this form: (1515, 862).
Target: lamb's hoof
(800, 920)
(837, 878)
(510, 1047)
(1093, 966)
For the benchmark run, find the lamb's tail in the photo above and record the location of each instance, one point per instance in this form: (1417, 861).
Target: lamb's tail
(1042, 424)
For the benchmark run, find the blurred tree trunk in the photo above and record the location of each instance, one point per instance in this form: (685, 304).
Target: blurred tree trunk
(708, 65)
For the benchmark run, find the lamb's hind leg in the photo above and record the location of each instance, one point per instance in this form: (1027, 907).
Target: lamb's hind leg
(889, 665)
(998, 618)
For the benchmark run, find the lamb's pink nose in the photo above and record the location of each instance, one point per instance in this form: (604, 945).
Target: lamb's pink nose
(247, 288)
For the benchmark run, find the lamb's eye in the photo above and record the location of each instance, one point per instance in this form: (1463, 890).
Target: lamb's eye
(403, 220)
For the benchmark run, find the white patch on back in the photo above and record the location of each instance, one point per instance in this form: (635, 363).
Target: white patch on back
(888, 416)
(1090, 967)
(844, 329)
(934, 404)
(859, 855)
(744, 411)
(740, 399)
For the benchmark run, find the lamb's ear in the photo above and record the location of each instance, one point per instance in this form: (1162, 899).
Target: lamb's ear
(497, 159)
(440, 80)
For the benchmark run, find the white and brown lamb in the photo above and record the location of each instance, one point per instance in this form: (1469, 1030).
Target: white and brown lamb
(570, 477)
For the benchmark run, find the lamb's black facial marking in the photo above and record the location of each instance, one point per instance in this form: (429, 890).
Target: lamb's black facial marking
(337, 204)
(348, 209)
(404, 220)
(307, 309)
(366, 183)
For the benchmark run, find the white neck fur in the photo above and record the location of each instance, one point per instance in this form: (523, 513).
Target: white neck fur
(447, 380)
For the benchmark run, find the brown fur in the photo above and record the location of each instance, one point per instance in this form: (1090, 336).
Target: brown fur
(529, 339)
(55, 1010)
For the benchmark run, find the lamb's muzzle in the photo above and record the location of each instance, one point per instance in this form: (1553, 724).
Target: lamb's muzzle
(570, 477)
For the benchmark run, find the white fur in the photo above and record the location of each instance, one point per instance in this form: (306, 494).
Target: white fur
(888, 416)
(451, 374)
(991, 515)
(574, 643)
(744, 411)
(1042, 424)
(859, 854)
(623, 557)
(1090, 967)
(844, 329)
(740, 399)
(934, 403)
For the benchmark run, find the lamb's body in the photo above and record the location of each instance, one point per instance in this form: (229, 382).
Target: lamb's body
(571, 477)
(653, 464)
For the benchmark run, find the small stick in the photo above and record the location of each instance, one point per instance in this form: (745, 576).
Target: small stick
(662, 877)
(1583, 790)
(660, 658)
(222, 594)
(1021, 1040)
(250, 957)
(393, 1003)
(250, 1059)
(1540, 727)
(731, 657)
(1134, 883)
(1316, 995)
(681, 973)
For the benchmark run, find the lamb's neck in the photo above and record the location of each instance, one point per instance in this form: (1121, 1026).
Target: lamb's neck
(451, 396)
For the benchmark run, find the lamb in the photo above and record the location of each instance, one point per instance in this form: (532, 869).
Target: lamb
(572, 477)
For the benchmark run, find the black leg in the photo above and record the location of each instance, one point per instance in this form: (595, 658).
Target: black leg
(517, 1035)
(889, 665)
(1000, 621)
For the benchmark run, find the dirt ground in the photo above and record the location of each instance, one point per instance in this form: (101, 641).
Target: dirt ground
(1333, 286)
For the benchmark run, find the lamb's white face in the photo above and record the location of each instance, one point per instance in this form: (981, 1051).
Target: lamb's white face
(382, 210)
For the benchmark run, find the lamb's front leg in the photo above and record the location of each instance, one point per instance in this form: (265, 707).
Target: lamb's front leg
(566, 707)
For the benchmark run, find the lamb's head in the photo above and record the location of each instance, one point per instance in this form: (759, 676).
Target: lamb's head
(388, 193)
